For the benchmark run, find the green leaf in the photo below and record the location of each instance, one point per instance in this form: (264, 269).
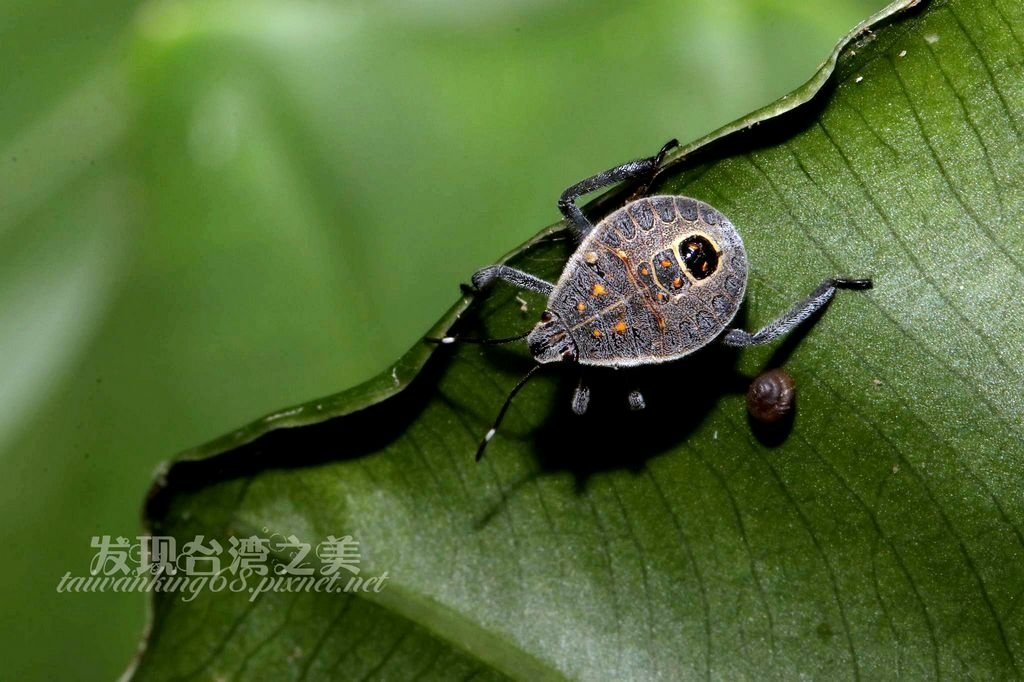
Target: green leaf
(880, 536)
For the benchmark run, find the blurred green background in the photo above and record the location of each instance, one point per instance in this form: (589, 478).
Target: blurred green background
(210, 210)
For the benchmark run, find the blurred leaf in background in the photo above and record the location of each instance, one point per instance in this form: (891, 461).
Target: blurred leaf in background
(209, 210)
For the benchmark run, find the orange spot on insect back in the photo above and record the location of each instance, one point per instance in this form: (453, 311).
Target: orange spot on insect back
(620, 326)
(599, 290)
(581, 306)
(644, 271)
(677, 282)
(596, 333)
(665, 262)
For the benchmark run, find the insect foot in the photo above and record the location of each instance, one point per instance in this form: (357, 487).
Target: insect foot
(581, 399)
(636, 400)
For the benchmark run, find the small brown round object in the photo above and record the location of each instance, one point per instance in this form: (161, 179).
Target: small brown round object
(770, 396)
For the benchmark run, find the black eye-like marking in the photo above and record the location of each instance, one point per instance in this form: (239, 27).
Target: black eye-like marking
(699, 256)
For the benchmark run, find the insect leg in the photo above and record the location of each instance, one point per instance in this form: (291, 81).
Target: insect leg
(634, 169)
(518, 278)
(636, 400)
(800, 312)
(485, 276)
(581, 398)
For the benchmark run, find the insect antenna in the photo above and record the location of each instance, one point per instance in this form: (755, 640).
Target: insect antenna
(444, 340)
(504, 408)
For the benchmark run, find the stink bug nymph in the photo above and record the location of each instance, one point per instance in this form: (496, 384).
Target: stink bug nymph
(652, 282)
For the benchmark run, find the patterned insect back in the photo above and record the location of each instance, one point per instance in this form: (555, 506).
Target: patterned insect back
(654, 281)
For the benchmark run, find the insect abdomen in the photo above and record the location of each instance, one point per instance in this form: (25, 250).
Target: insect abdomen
(669, 272)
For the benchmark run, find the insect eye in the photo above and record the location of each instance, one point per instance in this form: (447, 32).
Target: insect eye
(546, 316)
(699, 256)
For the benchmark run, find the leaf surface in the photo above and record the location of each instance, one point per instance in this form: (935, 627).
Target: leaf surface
(881, 535)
